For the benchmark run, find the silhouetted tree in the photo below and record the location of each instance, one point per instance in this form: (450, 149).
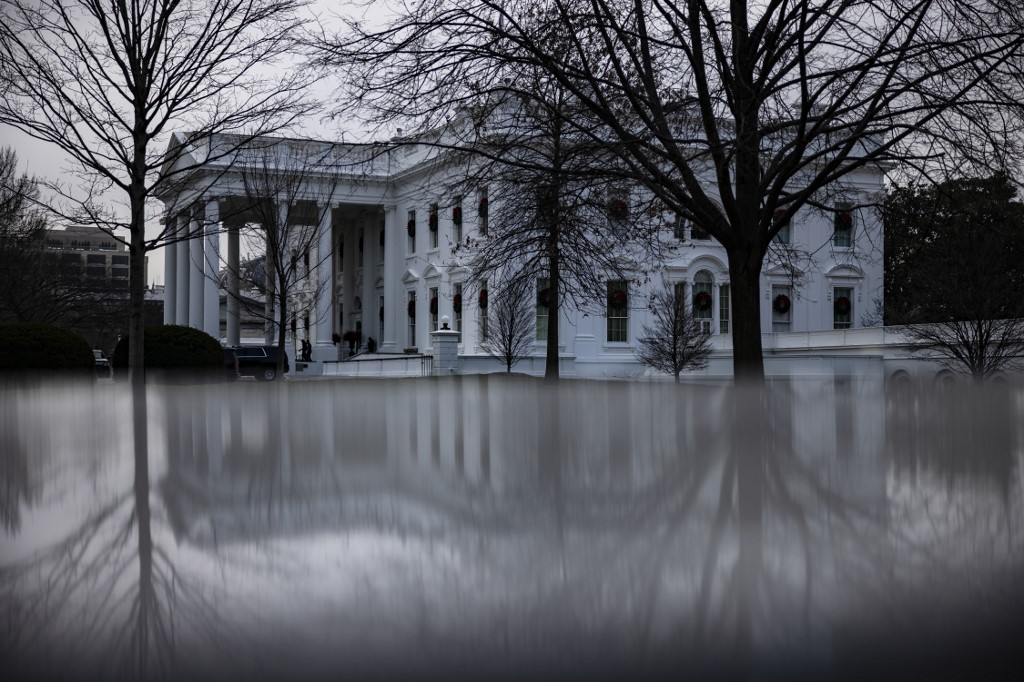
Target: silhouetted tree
(674, 340)
(105, 81)
(735, 116)
(510, 325)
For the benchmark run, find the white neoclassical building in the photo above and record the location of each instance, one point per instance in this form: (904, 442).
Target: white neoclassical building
(389, 260)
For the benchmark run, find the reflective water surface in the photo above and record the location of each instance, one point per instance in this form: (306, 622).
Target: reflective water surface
(482, 527)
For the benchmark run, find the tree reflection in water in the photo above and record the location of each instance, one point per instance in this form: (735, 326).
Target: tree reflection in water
(482, 525)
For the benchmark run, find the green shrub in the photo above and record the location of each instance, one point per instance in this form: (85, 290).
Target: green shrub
(42, 347)
(174, 347)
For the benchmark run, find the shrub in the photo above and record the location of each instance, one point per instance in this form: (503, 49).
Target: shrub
(41, 347)
(174, 347)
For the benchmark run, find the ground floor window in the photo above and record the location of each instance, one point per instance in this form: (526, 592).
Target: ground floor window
(411, 310)
(723, 309)
(618, 311)
(703, 299)
(543, 302)
(482, 306)
(842, 307)
(457, 308)
(782, 314)
(432, 299)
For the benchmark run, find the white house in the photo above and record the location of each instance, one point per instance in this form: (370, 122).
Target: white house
(391, 251)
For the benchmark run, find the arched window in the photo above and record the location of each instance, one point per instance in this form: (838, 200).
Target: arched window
(703, 298)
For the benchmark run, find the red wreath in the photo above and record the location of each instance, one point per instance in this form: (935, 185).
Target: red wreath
(482, 299)
(482, 208)
(842, 305)
(432, 222)
(702, 300)
(433, 306)
(411, 227)
(457, 303)
(617, 299)
(411, 308)
(781, 304)
(844, 220)
(457, 215)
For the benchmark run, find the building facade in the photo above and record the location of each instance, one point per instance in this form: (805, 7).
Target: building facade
(390, 256)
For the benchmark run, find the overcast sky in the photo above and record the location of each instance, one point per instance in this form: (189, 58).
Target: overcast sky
(47, 162)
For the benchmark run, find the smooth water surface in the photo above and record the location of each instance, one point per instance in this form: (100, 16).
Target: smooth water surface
(481, 527)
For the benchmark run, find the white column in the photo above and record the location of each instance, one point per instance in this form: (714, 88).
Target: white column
(234, 331)
(181, 284)
(325, 286)
(369, 292)
(211, 269)
(170, 271)
(195, 270)
(393, 303)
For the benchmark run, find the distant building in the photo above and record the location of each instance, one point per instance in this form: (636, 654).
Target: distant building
(88, 252)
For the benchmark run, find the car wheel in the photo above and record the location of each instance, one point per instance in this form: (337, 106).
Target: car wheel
(268, 374)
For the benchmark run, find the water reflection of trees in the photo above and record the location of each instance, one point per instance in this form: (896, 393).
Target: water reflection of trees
(606, 522)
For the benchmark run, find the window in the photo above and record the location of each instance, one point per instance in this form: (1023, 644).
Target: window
(842, 307)
(842, 227)
(457, 308)
(119, 260)
(410, 228)
(679, 228)
(782, 314)
(119, 273)
(457, 221)
(411, 311)
(783, 218)
(543, 301)
(432, 224)
(432, 297)
(96, 260)
(703, 299)
(618, 212)
(618, 311)
(723, 309)
(482, 306)
(482, 212)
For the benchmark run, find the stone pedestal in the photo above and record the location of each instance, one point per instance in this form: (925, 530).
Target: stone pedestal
(446, 352)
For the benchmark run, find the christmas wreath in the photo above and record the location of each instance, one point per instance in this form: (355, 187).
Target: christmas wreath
(457, 303)
(432, 222)
(411, 227)
(842, 306)
(411, 308)
(482, 208)
(617, 299)
(844, 220)
(482, 299)
(457, 215)
(781, 304)
(433, 306)
(702, 300)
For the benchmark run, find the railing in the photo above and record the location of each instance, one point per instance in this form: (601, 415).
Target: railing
(392, 365)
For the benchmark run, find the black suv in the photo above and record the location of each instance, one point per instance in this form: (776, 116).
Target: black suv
(259, 362)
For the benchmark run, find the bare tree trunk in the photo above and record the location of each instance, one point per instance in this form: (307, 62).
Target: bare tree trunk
(137, 286)
(554, 308)
(745, 277)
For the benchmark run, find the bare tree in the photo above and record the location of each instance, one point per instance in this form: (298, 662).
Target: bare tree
(955, 272)
(35, 285)
(288, 190)
(105, 81)
(558, 218)
(735, 116)
(510, 328)
(675, 340)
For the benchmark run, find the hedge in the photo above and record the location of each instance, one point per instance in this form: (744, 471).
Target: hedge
(42, 347)
(172, 346)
